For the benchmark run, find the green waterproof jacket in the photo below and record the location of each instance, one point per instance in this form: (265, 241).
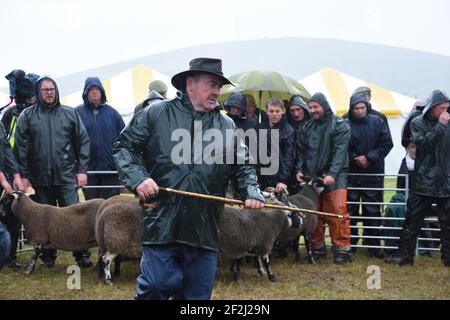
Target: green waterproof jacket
(166, 142)
(432, 164)
(51, 143)
(322, 146)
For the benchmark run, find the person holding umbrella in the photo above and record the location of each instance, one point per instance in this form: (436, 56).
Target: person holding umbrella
(260, 116)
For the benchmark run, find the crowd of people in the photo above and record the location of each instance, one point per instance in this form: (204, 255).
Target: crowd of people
(51, 147)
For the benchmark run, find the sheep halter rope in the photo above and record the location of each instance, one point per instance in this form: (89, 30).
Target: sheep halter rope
(238, 202)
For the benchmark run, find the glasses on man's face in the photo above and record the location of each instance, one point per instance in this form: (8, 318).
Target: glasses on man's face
(48, 90)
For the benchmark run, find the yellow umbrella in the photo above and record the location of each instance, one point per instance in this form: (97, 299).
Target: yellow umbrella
(262, 85)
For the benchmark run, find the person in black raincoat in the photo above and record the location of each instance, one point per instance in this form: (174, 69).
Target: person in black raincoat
(22, 88)
(407, 141)
(236, 108)
(284, 147)
(7, 162)
(297, 112)
(52, 152)
(370, 143)
(157, 91)
(152, 97)
(163, 146)
(431, 179)
(416, 111)
(407, 167)
(322, 152)
(254, 112)
(285, 152)
(297, 115)
(367, 93)
(6, 245)
(103, 124)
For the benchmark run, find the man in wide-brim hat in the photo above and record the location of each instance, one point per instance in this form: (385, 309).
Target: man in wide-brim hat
(161, 147)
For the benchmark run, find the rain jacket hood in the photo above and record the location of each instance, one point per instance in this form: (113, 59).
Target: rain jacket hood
(354, 100)
(88, 84)
(153, 96)
(38, 92)
(322, 100)
(297, 100)
(436, 97)
(238, 100)
(432, 163)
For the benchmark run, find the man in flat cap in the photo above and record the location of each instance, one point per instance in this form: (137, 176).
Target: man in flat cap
(157, 91)
(179, 236)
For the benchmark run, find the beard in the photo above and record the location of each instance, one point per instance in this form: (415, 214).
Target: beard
(49, 101)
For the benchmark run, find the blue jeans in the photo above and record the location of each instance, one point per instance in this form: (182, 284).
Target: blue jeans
(176, 270)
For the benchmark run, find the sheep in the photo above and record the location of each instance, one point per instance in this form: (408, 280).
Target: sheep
(68, 228)
(252, 233)
(117, 231)
(307, 198)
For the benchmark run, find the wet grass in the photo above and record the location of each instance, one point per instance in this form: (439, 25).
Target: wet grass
(428, 279)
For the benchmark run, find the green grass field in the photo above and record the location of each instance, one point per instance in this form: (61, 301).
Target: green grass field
(428, 279)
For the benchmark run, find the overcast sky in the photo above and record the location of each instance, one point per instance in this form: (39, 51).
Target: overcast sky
(59, 37)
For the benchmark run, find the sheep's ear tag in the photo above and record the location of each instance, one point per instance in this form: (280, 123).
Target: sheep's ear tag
(29, 191)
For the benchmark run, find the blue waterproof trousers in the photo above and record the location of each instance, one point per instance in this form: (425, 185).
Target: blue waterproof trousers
(176, 271)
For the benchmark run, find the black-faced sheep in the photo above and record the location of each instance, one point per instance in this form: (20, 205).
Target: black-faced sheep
(117, 230)
(306, 198)
(252, 233)
(70, 228)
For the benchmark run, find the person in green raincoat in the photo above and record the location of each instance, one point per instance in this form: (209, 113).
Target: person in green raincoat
(163, 146)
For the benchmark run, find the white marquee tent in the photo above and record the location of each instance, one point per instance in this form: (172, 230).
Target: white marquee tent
(126, 89)
(338, 87)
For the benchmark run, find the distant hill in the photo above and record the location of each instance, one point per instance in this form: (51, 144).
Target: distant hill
(413, 73)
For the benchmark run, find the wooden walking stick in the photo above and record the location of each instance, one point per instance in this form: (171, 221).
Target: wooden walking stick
(238, 202)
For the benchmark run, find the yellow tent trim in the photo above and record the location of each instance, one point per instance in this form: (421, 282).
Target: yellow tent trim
(64, 100)
(384, 100)
(141, 78)
(107, 86)
(337, 90)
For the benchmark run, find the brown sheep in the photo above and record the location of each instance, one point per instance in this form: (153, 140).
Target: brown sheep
(117, 230)
(70, 228)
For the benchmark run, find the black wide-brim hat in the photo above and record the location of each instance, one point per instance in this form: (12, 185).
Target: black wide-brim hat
(200, 65)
